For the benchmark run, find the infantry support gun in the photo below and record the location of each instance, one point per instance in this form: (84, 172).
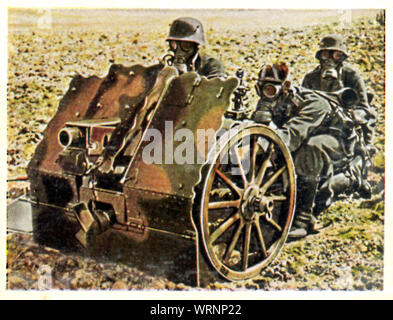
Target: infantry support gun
(230, 212)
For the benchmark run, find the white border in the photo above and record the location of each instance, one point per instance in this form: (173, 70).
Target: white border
(387, 293)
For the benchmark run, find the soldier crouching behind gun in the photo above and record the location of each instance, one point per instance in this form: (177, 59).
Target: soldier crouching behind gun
(334, 73)
(185, 38)
(320, 135)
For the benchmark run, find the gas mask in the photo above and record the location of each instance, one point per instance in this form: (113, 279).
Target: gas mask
(274, 98)
(185, 54)
(330, 61)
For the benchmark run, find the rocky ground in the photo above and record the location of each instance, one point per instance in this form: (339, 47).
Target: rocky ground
(348, 252)
(346, 255)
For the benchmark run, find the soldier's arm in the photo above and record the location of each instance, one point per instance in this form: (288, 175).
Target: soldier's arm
(309, 118)
(311, 80)
(306, 82)
(363, 112)
(212, 68)
(355, 81)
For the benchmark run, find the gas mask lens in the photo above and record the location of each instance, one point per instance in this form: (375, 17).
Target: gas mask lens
(270, 90)
(337, 56)
(185, 46)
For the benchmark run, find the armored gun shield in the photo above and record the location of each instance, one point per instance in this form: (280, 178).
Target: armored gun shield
(84, 124)
(163, 185)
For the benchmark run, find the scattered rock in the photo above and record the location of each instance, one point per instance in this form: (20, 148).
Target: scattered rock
(119, 285)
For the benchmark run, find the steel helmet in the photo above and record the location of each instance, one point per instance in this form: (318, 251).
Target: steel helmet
(270, 79)
(276, 73)
(187, 29)
(332, 42)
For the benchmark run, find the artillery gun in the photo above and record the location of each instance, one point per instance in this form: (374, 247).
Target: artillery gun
(226, 206)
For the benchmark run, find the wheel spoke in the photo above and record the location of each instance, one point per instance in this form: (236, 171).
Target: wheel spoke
(233, 242)
(228, 181)
(239, 163)
(273, 223)
(277, 197)
(272, 179)
(255, 146)
(260, 237)
(224, 204)
(263, 168)
(223, 227)
(246, 248)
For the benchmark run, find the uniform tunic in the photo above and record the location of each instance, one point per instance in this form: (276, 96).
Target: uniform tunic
(321, 138)
(348, 77)
(318, 135)
(209, 67)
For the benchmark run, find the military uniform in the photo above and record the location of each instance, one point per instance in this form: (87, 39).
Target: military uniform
(322, 139)
(209, 67)
(345, 77)
(320, 136)
(332, 75)
(348, 78)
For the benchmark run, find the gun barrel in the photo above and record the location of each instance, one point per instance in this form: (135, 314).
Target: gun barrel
(69, 136)
(348, 97)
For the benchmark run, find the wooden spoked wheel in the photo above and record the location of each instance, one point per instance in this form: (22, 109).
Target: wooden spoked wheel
(247, 202)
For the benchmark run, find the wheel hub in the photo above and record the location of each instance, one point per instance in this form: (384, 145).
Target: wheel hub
(254, 203)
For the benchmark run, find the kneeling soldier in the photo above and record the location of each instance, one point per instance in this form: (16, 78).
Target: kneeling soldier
(320, 135)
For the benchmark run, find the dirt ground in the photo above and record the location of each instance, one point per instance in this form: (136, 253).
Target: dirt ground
(47, 48)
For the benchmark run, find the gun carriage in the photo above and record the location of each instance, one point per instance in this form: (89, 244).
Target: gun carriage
(230, 201)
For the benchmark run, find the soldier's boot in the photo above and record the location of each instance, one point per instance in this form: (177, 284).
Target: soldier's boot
(359, 179)
(304, 222)
(313, 227)
(300, 225)
(329, 191)
(364, 190)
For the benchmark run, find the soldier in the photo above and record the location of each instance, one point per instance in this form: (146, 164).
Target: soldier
(333, 74)
(319, 134)
(185, 37)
